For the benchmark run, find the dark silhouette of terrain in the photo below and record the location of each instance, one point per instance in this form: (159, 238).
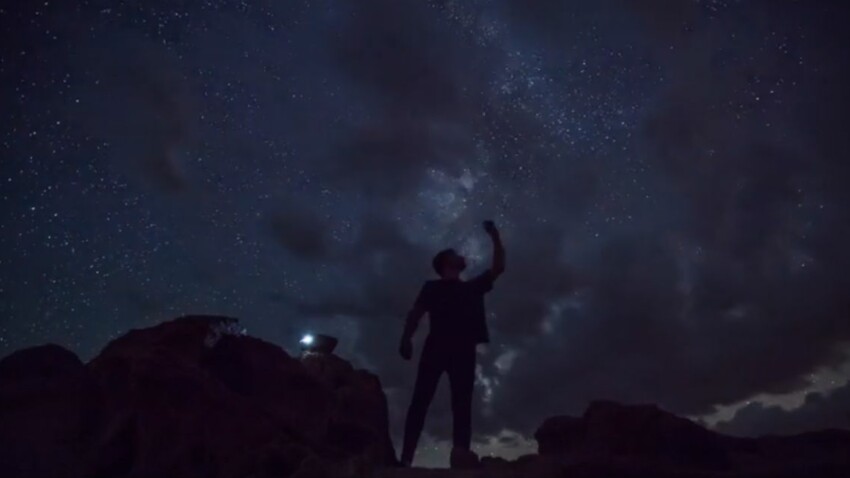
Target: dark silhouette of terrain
(193, 398)
(629, 438)
(187, 398)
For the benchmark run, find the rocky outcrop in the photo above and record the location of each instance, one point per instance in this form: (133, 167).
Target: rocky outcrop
(621, 438)
(190, 397)
(195, 397)
(358, 419)
(612, 440)
(46, 410)
(644, 431)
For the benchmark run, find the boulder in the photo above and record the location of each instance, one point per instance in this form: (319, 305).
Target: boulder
(46, 409)
(616, 438)
(359, 417)
(641, 432)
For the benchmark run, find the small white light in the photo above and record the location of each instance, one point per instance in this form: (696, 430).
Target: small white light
(307, 339)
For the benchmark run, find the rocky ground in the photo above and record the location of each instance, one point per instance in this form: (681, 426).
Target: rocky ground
(194, 397)
(437, 473)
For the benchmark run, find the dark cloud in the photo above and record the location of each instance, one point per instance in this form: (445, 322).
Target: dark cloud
(424, 81)
(742, 292)
(300, 232)
(400, 52)
(160, 127)
(819, 411)
(147, 111)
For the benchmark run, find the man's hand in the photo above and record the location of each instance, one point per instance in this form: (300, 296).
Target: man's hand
(490, 227)
(406, 349)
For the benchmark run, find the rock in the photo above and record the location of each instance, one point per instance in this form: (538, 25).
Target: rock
(461, 459)
(195, 397)
(267, 378)
(644, 432)
(192, 397)
(494, 462)
(621, 439)
(560, 435)
(314, 467)
(359, 418)
(39, 365)
(46, 411)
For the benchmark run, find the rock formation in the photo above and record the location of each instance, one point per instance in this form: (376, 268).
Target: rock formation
(616, 437)
(189, 398)
(194, 397)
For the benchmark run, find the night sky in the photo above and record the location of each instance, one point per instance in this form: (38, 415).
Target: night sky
(670, 178)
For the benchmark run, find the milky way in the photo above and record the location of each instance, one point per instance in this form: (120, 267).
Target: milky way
(670, 179)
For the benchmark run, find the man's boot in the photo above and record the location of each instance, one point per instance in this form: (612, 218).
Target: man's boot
(464, 459)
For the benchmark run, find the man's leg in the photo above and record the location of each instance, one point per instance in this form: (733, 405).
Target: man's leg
(462, 378)
(427, 378)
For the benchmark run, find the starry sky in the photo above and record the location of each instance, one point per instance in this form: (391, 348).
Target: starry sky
(670, 178)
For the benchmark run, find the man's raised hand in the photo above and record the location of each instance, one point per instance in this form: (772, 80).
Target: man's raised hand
(498, 249)
(490, 227)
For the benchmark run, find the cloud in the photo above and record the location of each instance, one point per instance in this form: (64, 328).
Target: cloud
(739, 290)
(141, 107)
(423, 82)
(301, 232)
(819, 411)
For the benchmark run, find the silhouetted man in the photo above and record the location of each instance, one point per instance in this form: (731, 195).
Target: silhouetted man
(457, 324)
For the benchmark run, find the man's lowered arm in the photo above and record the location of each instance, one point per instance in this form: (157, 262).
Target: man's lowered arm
(410, 326)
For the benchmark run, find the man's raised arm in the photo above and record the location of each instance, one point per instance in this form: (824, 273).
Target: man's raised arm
(498, 249)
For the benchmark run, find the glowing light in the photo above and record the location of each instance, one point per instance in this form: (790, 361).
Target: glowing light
(307, 339)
